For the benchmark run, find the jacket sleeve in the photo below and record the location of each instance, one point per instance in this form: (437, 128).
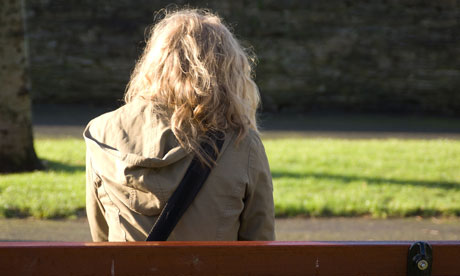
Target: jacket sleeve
(94, 208)
(257, 221)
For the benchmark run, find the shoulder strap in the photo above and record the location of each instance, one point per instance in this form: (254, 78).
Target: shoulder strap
(183, 196)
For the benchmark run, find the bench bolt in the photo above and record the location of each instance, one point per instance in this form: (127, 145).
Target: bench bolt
(422, 264)
(419, 259)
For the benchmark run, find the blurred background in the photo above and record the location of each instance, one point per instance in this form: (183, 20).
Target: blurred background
(360, 110)
(354, 56)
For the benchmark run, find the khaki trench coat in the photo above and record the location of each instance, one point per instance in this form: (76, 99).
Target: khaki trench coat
(134, 164)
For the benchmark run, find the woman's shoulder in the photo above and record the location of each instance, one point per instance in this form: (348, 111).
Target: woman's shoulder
(248, 147)
(123, 113)
(126, 119)
(257, 157)
(254, 141)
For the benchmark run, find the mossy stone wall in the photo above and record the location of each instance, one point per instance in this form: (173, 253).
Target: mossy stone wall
(389, 55)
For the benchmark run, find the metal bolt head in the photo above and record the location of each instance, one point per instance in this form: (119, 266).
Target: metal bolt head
(422, 264)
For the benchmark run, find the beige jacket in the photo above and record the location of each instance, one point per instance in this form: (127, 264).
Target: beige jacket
(134, 164)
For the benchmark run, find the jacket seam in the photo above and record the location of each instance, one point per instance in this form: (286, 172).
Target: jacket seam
(116, 208)
(249, 162)
(226, 211)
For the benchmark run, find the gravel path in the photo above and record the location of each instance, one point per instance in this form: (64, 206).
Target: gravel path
(290, 229)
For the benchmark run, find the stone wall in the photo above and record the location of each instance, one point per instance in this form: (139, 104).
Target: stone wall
(388, 55)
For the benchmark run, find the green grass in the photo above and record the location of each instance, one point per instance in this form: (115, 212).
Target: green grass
(379, 178)
(57, 192)
(312, 177)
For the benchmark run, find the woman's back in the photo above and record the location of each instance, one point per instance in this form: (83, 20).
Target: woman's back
(192, 78)
(136, 164)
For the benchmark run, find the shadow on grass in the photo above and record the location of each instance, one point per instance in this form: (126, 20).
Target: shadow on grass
(15, 212)
(62, 167)
(290, 211)
(447, 185)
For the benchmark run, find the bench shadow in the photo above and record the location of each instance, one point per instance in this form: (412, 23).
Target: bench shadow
(447, 185)
(62, 167)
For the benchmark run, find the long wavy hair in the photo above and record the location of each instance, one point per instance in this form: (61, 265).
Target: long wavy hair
(196, 73)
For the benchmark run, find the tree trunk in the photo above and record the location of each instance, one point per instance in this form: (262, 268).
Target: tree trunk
(16, 139)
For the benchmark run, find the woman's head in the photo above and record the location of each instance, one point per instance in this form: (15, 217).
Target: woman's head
(195, 72)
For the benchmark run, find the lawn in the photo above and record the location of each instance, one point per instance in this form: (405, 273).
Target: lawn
(379, 178)
(58, 192)
(312, 177)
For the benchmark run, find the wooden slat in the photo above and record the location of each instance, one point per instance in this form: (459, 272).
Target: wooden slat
(220, 258)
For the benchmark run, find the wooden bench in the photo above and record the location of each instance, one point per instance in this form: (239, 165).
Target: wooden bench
(221, 258)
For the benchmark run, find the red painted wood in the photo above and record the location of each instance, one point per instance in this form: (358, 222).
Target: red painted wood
(219, 258)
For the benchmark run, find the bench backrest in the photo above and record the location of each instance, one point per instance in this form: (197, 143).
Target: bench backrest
(220, 258)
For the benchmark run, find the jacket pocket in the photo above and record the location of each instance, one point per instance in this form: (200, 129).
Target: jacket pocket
(145, 193)
(144, 203)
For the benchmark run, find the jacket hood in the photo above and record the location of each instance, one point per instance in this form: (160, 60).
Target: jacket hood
(136, 151)
(134, 135)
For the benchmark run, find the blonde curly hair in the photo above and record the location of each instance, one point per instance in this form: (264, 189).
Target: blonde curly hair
(196, 73)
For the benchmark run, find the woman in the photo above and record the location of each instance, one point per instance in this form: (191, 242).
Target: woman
(193, 78)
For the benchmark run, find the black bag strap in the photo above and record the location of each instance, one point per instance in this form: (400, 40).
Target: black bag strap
(183, 196)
